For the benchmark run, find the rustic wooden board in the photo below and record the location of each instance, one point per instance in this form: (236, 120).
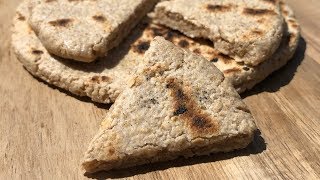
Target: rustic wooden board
(44, 131)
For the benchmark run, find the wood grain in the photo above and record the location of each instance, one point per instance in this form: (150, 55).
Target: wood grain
(44, 131)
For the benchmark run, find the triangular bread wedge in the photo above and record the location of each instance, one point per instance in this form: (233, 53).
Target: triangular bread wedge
(178, 104)
(84, 30)
(249, 31)
(242, 76)
(101, 80)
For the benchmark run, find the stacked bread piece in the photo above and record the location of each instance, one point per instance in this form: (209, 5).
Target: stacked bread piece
(251, 38)
(169, 101)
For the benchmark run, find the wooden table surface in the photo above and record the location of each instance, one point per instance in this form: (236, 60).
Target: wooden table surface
(44, 131)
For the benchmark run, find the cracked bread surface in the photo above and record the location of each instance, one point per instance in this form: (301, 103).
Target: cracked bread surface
(177, 104)
(249, 31)
(85, 30)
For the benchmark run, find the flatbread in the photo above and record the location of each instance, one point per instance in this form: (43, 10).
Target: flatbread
(178, 104)
(243, 77)
(84, 30)
(249, 31)
(106, 78)
(101, 80)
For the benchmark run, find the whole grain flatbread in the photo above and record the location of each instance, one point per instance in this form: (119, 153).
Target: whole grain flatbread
(84, 30)
(106, 78)
(178, 104)
(243, 77)
(101, 80)
(249, 31)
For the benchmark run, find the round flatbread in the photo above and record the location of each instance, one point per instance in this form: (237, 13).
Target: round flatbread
(101, 80)
(84, 30)
(243, 77)
(249, 31)
(106, 78)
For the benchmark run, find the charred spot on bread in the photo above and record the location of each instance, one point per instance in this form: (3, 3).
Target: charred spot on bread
(218, 8)
(246, 68)
(21, 17)
(141, 47)
(37, 52)
(187, 109)
(61, 22)
(183, 43)
(99, 18)
(215, 59)
(258, 12)
(232, 70)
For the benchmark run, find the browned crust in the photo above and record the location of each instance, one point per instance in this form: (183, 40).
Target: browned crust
(186, 109)
(61, 22)
(258, 12)
(218, 8)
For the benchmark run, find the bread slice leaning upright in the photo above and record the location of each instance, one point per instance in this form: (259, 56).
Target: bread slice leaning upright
(177, 104)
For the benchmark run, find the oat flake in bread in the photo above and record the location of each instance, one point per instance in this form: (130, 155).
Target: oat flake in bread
(178, 104)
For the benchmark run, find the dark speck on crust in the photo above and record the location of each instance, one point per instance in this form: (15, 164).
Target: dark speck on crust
(170, 34)
(233, 70)
(141, 47)
(100, 79)
(218, 8)
(111, 151)
(258, 12)
(21, 17)
(186, 109)
(200, 122)
(99, 18)
(95, 79)
(180, 94)
(154, 101)
(257, 32)
(180, 110)
(246, 68)
(197, 51)
(61, 22)
(37, 52)
(215, 60)
(105, 78)
(183, 43)
(157, 31)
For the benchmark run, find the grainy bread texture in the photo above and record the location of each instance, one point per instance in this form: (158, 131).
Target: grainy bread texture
(178, 104)
(242, 76)
(101, 80)
(104, 79)
(84, 30)
(249, 31)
